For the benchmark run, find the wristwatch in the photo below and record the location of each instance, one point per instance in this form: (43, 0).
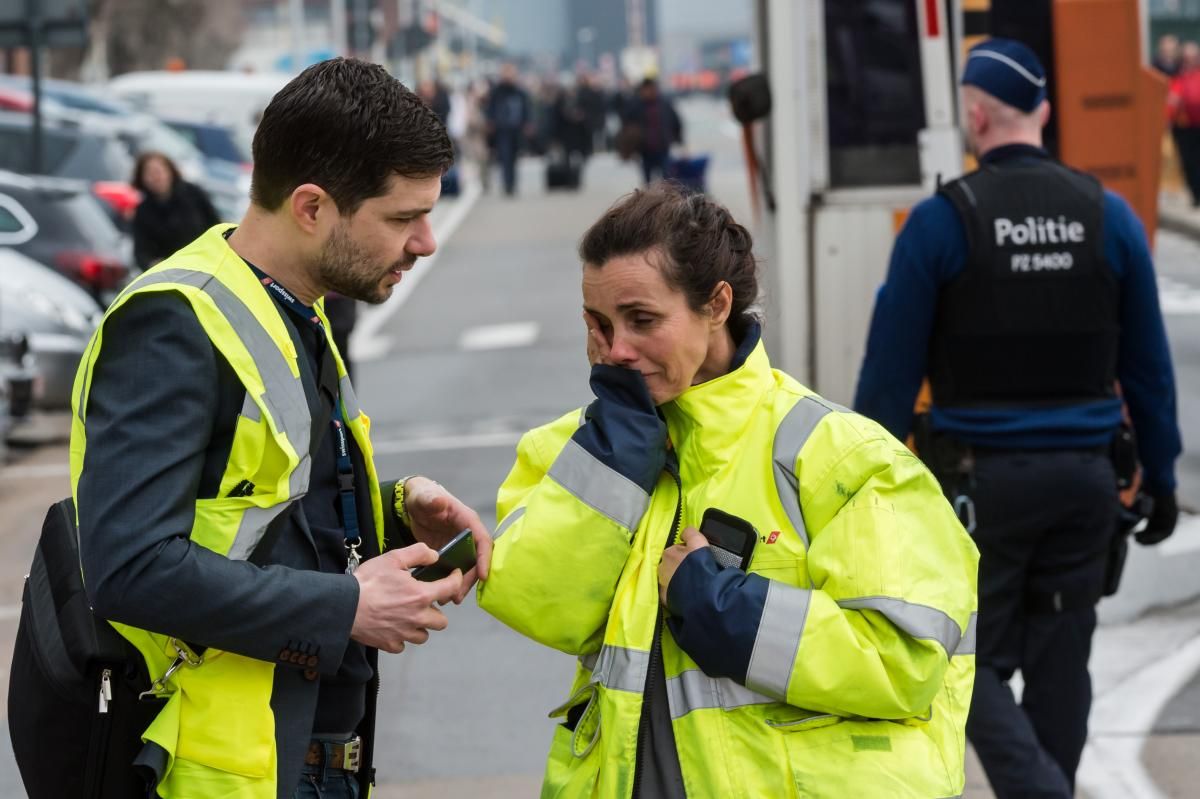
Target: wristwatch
(398, 502)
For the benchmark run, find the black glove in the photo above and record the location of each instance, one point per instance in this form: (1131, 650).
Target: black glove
(1162, 521)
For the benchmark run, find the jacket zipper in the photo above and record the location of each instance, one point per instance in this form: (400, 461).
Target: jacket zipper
(106, 694)
(101, 732)
(655, 647)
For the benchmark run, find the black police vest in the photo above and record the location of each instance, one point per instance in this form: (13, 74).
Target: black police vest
(1033, 318)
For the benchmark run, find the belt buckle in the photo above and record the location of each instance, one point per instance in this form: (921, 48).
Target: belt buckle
(351, 755)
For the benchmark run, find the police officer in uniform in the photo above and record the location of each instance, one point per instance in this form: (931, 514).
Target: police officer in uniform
(1025, 292)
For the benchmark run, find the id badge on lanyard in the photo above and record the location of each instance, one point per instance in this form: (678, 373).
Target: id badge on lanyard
(341, 439)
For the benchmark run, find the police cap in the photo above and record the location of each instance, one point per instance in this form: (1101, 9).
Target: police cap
(1008, 71)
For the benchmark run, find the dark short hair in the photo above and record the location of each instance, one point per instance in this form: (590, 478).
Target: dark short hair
(347, 126)
(697, 242)
(140, 165)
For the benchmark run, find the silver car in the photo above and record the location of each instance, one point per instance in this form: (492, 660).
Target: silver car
(57, 316)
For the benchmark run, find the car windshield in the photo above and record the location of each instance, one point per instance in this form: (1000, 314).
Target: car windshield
(213, 141)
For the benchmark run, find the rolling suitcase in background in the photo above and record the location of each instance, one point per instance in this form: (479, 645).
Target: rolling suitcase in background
(689, 172)
(562, 172)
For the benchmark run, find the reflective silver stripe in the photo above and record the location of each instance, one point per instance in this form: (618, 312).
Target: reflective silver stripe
(967, 645)
(695, 690)
(250, 409)
(252, 528)
(599, 487)
(778, 639)
(618, 668)
(285, 399)
(919, 621)
(508, 522)
(793, 431)
(349, 399)
(583, 416)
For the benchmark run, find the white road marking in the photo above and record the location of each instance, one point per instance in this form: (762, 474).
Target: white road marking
(503, 438)
(1177, 297)
(366, 343)
(499, 337)
(1143, 665)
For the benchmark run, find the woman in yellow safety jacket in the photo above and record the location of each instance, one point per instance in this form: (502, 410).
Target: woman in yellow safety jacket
(840, 662)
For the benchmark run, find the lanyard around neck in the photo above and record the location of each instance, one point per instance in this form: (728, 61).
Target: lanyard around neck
(345, 465)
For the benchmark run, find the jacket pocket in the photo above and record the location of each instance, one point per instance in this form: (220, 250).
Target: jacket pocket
(574, 763)
(790, 569)
(833, 757)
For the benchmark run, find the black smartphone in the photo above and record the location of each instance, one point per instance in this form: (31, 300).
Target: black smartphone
(458, 554)
(731, 539)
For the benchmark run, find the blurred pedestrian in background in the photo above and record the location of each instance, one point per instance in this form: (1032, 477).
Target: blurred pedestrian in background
(592, 101)
(476, 145)
(172, 212)
(509, 116)
(1166, 55)
(1183, 113)
(436, 97)
(1025, 291)
(849, 620)
(342, 312)
(654, 126)
(571, 140)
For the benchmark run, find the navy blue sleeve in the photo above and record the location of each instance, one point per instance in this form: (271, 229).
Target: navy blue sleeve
(931, 248)
(623, 429)
(715, 614)
(1143, 356)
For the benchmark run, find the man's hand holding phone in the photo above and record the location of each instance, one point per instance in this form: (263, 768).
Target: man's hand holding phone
(395, 608)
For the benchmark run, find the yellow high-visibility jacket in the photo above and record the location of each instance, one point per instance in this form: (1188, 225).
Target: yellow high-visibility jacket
(840, 666)
(218, 729)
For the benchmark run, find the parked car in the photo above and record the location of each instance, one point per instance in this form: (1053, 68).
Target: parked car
(17, 378)
(57, 317)
(70, 151)
(212, 140)
(98, 111)
(225, 160)
(62, 225)
(70, 94)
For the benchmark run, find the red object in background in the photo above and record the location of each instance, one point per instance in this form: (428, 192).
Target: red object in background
(1183, 99)
(16, 100)
(932, 28)
(96, 271)
(123, 197)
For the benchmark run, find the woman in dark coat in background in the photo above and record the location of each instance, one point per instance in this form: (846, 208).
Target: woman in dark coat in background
(172, 213)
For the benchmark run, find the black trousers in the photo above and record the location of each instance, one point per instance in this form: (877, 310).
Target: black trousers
(1187, 145)
(1044, 522)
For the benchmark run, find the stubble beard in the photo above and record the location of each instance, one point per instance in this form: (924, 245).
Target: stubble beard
(346, 269)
